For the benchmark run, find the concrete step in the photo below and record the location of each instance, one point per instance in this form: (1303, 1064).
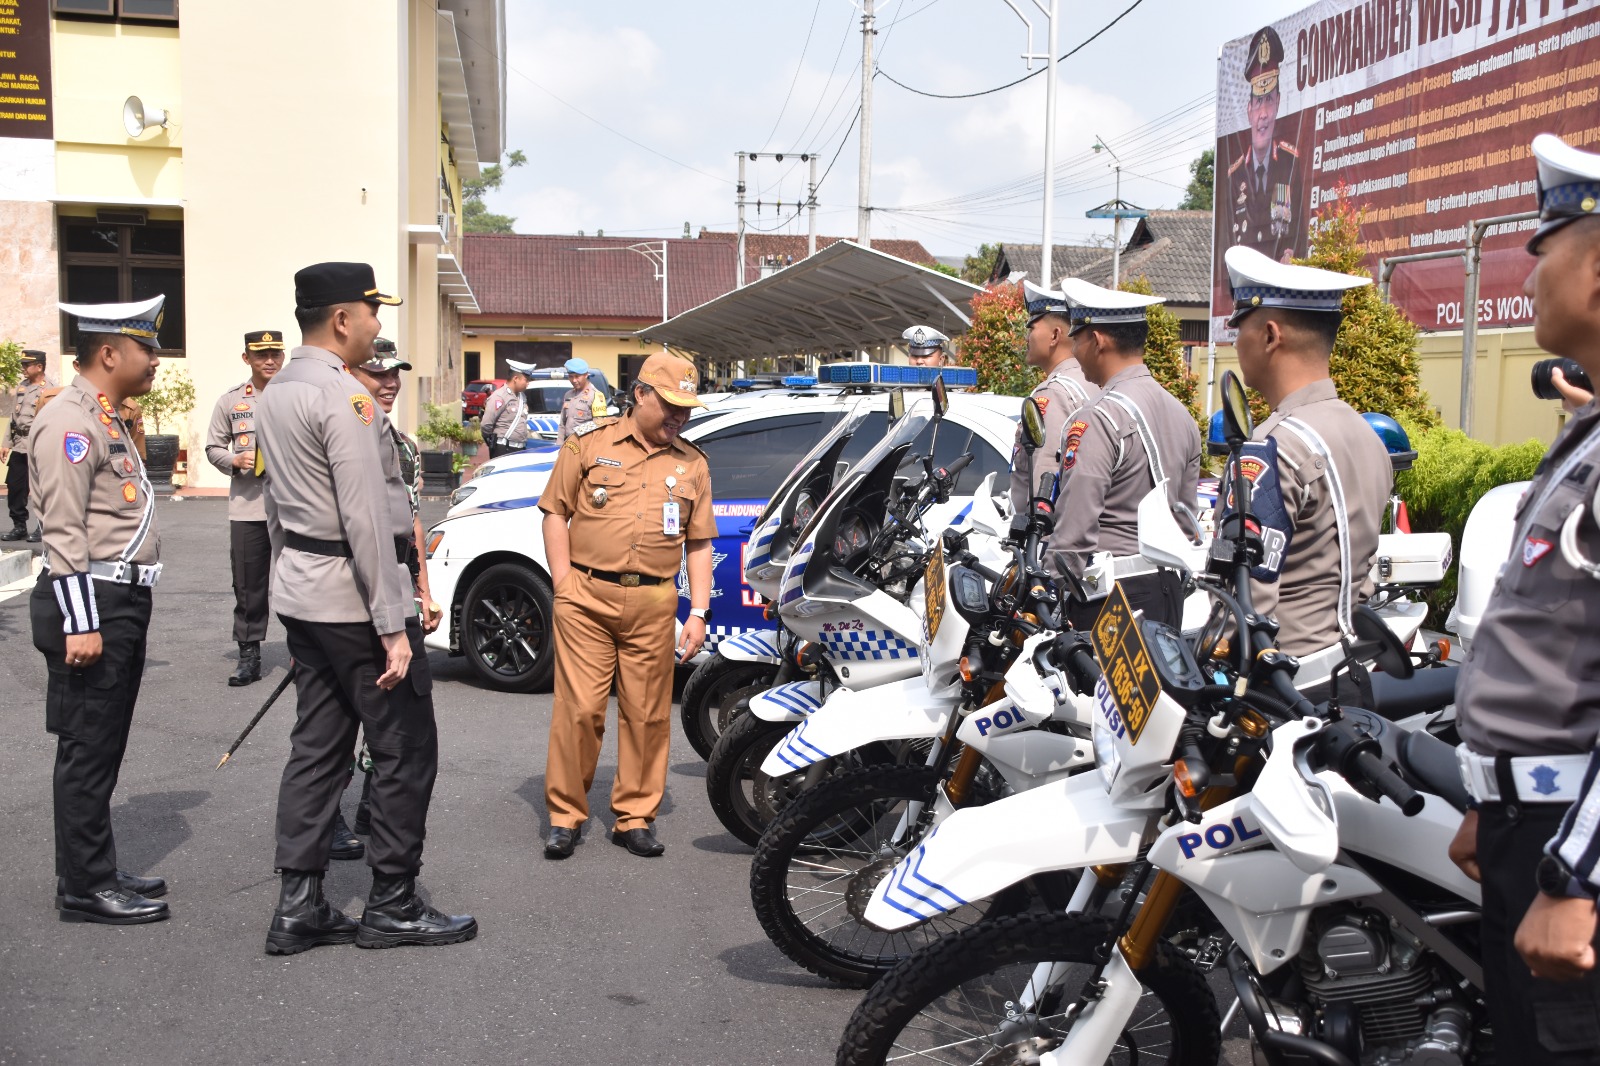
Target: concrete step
(16, 566)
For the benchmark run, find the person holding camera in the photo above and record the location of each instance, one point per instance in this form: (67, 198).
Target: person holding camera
(1528, 701)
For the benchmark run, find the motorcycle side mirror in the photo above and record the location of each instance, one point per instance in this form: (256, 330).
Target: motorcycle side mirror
(941, 397)
(897, 405)
(1237, 425)
(1032, 425)
(1376, 641)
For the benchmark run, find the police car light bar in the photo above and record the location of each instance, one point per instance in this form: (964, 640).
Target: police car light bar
(889, 375)
(800, 381)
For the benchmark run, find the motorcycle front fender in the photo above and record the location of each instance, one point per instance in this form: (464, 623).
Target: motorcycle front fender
(902, 710)
(978, 851)
(787, 703)
(753, 646)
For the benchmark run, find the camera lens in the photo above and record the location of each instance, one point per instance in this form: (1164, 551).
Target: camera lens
(1545, 389)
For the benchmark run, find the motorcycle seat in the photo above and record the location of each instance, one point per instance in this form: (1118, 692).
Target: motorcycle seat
(1431, 764)
(1426, 690)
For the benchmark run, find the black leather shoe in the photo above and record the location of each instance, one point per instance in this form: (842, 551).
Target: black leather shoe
(112, 906)
(346, 845)
(249, 668)
(36, 536)
(17, 533)
(304, 919)
(396, 915)
(642, 842)
(148, 887)
(561, 842)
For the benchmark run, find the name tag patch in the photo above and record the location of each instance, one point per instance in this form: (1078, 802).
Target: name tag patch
(603, 461)
(1534, 549)
(76, 446)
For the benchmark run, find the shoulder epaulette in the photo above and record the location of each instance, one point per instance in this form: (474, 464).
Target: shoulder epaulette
(693, 447)
(1237, 163)
(590, 427)
(1285, 146)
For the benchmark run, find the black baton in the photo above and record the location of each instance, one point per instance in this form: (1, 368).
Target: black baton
(287, 677)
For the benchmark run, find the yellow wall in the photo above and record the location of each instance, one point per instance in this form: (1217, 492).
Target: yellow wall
(599, 352)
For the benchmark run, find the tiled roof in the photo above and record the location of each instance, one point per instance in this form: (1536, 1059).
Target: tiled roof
(793, 245)
(548, 275)
(1171, 248)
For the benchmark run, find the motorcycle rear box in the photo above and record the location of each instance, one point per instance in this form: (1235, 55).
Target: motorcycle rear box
(1411, 558)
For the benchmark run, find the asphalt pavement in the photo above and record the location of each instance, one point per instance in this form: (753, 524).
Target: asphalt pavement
(604, 958)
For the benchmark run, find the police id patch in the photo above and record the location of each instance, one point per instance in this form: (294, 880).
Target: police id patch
(1258, 464)
(1534, 549)
(76, 446)
(364, 408)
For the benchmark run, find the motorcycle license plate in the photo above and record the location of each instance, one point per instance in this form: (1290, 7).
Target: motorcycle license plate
(1125, 661)
(933, 581)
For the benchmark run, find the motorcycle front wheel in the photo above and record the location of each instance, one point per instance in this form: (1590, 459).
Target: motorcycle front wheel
(972, 997)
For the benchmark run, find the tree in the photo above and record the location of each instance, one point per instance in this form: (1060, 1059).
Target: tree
(1374, 363)
(996, 344)
(477, 218)
(978, 267)
(1163, 352)
(10, 364)
(944, 268)
(1202, 182)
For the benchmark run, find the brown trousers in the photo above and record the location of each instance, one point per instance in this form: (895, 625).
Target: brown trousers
(604, 631)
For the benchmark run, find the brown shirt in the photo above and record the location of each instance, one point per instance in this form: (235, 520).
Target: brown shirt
(132, 416)
(612, 487)
(580, 406)
(89, 485)
(233, 432)
(1306, 598)
(24, 408)
(1061, 394)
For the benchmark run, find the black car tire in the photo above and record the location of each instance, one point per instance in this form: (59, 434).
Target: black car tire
(506, 619)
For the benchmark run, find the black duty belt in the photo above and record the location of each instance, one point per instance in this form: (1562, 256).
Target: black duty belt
(625, 580)
(338, 549)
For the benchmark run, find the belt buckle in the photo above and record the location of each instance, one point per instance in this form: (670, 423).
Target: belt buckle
(629, 581)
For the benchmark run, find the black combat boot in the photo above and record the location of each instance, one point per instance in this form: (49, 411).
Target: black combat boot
(346, 845)
(396, 915)
(249, 664)
(304, 919)
(36, 536)
(19, 531)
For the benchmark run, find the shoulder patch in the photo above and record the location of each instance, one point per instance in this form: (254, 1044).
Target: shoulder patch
(1043, 402)
(1069, 443)
(76, 447)
(571, 444)
(363, 406)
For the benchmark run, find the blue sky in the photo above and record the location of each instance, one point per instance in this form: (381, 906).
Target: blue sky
(672, 90)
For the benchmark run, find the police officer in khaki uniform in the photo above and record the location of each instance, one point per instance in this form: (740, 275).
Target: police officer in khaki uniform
(91, 607)
(626, 500)
(128, 410)
(926, 346)
(505, 412)
(1063, 390)
(1134, 436)
(340, 523)
(231, 448)
(25, 404)
(1325, 468)
(581, 404)
(1529, 695)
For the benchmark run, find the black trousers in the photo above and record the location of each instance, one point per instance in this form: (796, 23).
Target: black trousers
(1535, 1021)
(17, 489)
(250, 550)
(336, 668)
(1159, 596)
(90, 710)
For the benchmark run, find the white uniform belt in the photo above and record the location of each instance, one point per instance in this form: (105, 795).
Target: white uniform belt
(1318, 666)
(126, 573)
(1538, 778)
(1126, 566)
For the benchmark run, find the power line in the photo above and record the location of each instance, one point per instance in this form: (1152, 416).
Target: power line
(1025, 77)
(849, 29)
(799, 65)
(842, 142)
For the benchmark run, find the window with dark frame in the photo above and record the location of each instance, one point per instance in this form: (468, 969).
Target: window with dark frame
(129, 10)
(114, 263)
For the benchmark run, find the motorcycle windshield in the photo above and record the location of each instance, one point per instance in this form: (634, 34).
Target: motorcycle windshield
(830, 548)
(795, 503)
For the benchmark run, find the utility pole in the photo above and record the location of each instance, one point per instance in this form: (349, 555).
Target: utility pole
(1047, 241)
(738, 269)
(1116, 210)
(1116, 233)
(811, 208)
(864, 212)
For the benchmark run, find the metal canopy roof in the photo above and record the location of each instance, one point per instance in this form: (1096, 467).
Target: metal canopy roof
(843, 298)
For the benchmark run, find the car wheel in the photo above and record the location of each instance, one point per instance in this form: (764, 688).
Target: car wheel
(506, 628)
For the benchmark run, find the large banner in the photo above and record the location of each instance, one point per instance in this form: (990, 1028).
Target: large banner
(1418, 111)
(25, 69)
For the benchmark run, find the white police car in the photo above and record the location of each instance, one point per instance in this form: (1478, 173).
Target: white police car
(486, 561)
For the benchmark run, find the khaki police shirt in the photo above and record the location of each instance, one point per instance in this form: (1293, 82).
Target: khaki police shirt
(1305, 599)
(611, 486)
(1105, 471)
(132, 416)
(333, 474)
(88, 484)
(580, 406)
(24, 408)
(1063, 391)
(233, 432)
(505, 416)
(1531, 684)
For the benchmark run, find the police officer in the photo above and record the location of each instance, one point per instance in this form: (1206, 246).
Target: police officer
(1529, 698)
(505, 412)
(1261, 194)
(1323, 477)
(91, 607)
(231, 448)
(25, 405)
(340, 523)
(926, 346)
(1134, 436)
(626, 500)
(128, 410)
(1063, 390)
(581, 404)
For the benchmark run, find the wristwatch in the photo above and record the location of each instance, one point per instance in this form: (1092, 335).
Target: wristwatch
(702, 613)
(1554, 878)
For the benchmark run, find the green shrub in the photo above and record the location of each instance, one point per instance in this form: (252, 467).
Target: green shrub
(996, 344)
(1163, 353)
(10, 364)
(444, 424)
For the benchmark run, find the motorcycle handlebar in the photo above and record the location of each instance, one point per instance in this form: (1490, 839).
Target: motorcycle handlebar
(948, 473)
(1285, 690)
(1378, 774)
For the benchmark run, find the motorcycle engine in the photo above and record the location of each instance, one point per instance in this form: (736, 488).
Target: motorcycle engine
(1377, 994)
